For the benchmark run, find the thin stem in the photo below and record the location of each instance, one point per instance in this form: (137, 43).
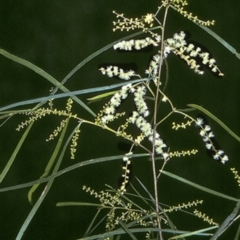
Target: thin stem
(155, 127)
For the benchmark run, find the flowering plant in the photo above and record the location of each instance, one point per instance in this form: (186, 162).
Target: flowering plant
(141, 124)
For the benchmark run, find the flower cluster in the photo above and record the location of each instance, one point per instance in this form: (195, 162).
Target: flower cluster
(179, 6)
(126, 173)
(137, 44)
(188, 52)
(183, 153)
(182, 206)
(205, 217)
(154, 66)
(127, 24)
(57, 130)
(146, 129)
(183, 125)
(207, 136)
(149, 19)
(43, 112)
(108, 113)
(40, 113)
(74, 143)
(178, 40)
(114, 71)
(141, 105)
(236, 176)
(106, 198)
(120, 211)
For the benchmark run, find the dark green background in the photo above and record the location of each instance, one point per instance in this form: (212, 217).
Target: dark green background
(56, 36)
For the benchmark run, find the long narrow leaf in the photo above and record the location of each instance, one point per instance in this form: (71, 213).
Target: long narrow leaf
(15, 152)
(135, 230)
(47, 188)
(194, 233)
(237, 237)
(227, 222)
(90, 227)
(125, 228)
(208, 190)
(44, 74)
(71, 168)
(100, 96)
(70, 94)
(74, 204)
(49, 165)
(221, 40)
